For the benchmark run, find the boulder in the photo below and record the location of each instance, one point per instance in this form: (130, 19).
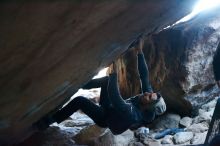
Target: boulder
(141, 133)
(152, 143)
(199, 138)
(49, 49)
(124, 138)
(186, 121)
(72, 123)
(135, 144)
(109, 139)
(89, 135)
(207, 116)
(168, 139)
(182, 137)
(167, 121)
(53, 136)
(94, 135)
(198, 128)
(209, 105)
(78, 119)
(203, 117)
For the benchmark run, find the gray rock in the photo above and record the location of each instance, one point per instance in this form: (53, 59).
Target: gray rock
(141, 133)
(72, 123)
(198, 128)
(182, 137)
(79, 118)
(201, 111)
(186, 121)
(93, 135)
(55, 136)
(124, 138)
(153, 143)
(203, 117)
(199, 138)
(135, 144)
(211, 111)
(198, 119)
(142, 130)
(89, 135)
(206, 114)
(209, 105)
(167, 121)
(168, 139)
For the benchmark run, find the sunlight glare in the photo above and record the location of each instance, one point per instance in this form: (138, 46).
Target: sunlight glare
(205, 5)
(202, 5)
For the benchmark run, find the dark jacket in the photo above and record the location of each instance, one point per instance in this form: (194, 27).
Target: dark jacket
(124, 114)
(216, 64)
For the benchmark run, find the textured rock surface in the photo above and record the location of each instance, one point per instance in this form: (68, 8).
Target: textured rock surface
(185, 121)
(198, 128)
(53, 136)
(93, 137)
(50, 48)
(89, 135)
(199, 138)
(182, 137)
(168, 139)
(167, 121)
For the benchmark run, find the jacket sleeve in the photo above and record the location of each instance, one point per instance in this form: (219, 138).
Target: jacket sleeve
(216, 64)
(114, 95)
(96, 83)
(144, 74)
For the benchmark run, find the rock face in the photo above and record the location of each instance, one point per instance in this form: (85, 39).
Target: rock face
(179, 60)
(182, 137)
(167, 121)
(185, 122)
(50, 48)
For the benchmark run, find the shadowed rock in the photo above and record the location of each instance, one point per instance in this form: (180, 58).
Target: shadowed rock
(50, 48)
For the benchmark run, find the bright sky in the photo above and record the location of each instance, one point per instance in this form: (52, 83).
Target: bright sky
(101, 73)
(202, 5)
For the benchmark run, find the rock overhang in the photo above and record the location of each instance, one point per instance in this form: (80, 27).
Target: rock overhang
(50, 48)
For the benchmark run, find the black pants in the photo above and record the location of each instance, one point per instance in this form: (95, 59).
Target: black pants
(95, 112)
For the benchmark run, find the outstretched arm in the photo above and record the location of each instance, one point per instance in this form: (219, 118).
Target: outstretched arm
(143, 68)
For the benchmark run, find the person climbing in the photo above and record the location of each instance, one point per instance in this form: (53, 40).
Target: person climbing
(216, 65)
(113, 111)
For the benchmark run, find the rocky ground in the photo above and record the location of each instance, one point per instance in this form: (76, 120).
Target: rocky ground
(79, 129)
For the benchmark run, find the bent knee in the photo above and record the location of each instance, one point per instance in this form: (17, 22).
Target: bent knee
(78, 100)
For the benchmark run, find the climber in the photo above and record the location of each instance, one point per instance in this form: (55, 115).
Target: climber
(216, 65)
(114, 112)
